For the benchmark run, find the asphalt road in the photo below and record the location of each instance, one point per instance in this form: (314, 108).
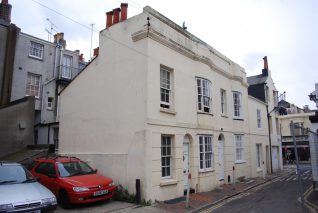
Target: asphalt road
(278, 196)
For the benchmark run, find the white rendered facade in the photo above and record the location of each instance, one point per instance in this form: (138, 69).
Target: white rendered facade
(158, 94)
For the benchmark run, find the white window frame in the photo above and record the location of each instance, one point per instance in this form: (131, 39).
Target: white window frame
(206, 153)
(67, 66)
(239, 148)
(259, 156)
(223, 102)
(33, 85)
(165, 88)
(166, 156)
(237, 105)
(49, 105)
(36, 50)
(204, 92)
(259, 118)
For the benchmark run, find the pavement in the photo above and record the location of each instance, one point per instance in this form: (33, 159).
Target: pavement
(203, 200)
(197, 201)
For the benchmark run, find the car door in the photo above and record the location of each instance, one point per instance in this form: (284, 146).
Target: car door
(46, 173)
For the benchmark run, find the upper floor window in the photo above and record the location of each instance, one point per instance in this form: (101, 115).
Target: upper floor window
(166, 155)
(204, 95)
(259, 121)
(67, 66)
(36, 50)
(239, 146)
(206, 152)
(33, 85)
(49, 103)
(237, 102)
(223, 102)
(165, 88)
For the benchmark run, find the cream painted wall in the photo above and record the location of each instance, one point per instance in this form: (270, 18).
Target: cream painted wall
(274, 122)
(296, 118)
(111, 115)
(258, 136)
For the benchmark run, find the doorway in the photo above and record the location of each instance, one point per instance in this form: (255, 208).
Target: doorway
(221, 156)
(186, 143)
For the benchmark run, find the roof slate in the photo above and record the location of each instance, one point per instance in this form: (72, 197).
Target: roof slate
(256, 79)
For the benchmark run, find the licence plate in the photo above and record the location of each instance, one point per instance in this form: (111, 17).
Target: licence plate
(102, 192)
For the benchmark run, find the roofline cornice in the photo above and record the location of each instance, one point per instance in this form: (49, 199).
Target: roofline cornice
(158, 37)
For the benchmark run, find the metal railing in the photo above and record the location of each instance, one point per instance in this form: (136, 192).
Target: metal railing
(297, 138)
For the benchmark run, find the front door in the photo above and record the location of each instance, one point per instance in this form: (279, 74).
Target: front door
(185, 164)
(275, 158)
(221, 160)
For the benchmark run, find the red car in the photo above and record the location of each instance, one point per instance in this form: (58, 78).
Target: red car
(72, 180)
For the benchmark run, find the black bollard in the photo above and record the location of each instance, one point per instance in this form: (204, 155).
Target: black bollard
(138, 194)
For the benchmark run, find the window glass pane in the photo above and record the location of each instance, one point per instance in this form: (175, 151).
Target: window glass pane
(206, 151)
(204, 94)
(33, 85)
(36, 50)
(165, 86)
(165, 155)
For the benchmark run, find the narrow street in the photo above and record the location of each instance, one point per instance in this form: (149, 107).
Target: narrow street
(280, 195)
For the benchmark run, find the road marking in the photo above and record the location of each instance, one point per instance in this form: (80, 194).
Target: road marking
(288, 179)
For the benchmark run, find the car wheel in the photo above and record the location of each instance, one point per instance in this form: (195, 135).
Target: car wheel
(64, 199)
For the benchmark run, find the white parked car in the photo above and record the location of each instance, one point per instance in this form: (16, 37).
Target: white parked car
(20, 191)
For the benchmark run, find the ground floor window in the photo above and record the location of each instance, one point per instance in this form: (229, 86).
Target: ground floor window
(239, 155)
(206, 152)
(166, 142)
(259, 155)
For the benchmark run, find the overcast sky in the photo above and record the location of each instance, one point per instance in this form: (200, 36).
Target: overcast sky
(286, 31)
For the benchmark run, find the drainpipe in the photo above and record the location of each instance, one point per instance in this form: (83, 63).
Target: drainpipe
(48, 134)
(270, 140)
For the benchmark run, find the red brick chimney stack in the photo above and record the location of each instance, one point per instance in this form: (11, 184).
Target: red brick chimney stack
(96, 51)
(109, 20)
(81, 57)
(265, 63)
(265, 70)
(123, 13)
(116, 15)
(5, 11)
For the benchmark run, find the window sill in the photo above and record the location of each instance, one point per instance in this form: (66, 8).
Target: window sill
(168, 182)
(240, 161)
(224, 116)
(259, 170)
(36, 58)
(168, 111)
(205, 170)
(35, 97)
(205, 113)
(238, 119)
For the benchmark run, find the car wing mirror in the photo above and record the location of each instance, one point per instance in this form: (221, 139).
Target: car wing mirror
(95, 171)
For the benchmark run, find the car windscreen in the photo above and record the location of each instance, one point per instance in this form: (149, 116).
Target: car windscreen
(75, 168)
(10, 174)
